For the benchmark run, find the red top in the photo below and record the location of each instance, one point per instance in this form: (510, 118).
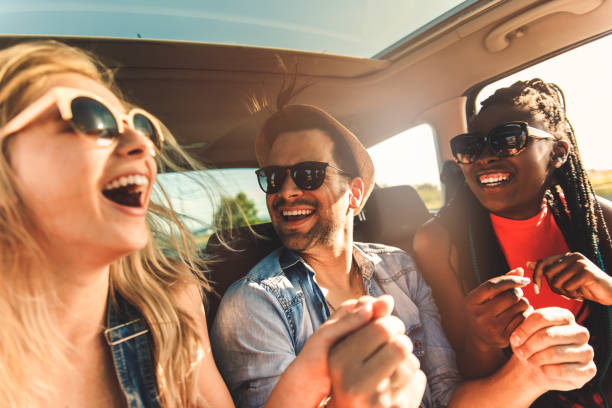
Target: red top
(531, 240)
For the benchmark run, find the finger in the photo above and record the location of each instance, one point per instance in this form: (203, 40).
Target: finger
(361, 344)
(515, 316)
(540, 319)
(494, 286)
(570, 375)
(506, 301)
(558, 282)
(516, 272)
(412, 390)
(382, 306)
(577, 282)
(342, 324)
(385, 361)
(561, 354)
(571, 334)
(514, 323)
(540, 268)
(345, 308)
(352, 306)
(404, 374)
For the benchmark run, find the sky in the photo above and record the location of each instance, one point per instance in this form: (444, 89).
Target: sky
(359, 28)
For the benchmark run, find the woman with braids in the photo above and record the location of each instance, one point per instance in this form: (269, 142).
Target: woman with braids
(92, 311)
(524, 231)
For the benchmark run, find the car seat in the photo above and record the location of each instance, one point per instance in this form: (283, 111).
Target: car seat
(392, 217)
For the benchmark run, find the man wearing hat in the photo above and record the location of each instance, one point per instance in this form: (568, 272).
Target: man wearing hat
(317, 177)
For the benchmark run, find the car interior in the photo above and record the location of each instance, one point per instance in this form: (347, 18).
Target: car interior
(432, 76)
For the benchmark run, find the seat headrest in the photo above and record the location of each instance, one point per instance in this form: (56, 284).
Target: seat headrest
(392, 215)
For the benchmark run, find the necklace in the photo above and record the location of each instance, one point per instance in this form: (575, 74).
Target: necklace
(331, 307)
(354, 273)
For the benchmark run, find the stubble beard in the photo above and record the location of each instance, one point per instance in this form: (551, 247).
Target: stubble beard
(321, 233)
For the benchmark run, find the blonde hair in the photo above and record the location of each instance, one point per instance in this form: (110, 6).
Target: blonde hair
(148, 278)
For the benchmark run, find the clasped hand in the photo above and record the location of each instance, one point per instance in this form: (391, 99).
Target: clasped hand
(554, 350)
(370, 360)
(548, 343)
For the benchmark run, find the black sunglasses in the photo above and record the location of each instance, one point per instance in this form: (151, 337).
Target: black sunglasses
(506, 140)
(308, 175)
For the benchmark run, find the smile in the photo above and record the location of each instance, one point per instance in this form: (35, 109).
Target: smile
(494, 179)
(127, 190)
(294, 215)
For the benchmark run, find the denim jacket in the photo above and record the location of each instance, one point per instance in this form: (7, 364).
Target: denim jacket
(266, 317)
(132, 351)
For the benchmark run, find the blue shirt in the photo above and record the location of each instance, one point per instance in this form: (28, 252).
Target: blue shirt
(266, 317)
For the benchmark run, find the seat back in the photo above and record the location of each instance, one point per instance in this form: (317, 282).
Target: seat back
(392, 216)
(452, 178)
(227, 265)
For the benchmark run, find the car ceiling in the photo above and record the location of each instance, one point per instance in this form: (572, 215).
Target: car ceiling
(202, 91)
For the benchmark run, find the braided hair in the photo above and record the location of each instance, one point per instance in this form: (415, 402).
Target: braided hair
(569, 195)
(571, 198)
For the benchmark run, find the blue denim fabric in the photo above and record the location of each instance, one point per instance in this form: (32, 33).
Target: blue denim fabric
(132, 350)
(266, 317)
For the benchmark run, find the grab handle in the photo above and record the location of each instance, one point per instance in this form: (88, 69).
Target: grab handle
(499, 38)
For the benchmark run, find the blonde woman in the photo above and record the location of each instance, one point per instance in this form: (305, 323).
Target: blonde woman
(92, 314)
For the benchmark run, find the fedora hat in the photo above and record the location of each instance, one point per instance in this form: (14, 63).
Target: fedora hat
(299, 117)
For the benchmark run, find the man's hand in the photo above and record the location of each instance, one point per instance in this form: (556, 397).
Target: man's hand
(554, 350)
(374, 366)
(495, 309)
(573, 275)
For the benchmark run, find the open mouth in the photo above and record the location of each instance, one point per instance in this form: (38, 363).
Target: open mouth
(494, 179)
(127, 190)
(296, 215)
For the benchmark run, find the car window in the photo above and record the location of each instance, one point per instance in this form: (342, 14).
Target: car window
(192, 193)
(583, 74)
(410, 157)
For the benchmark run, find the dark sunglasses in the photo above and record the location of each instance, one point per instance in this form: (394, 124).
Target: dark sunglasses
(308, 175)
(89, 115)
(506, 140)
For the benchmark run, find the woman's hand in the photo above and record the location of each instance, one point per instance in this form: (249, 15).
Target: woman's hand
(495, 309)
(573, 275)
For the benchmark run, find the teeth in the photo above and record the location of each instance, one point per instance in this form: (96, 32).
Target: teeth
(297, 212)
(134, 179)
(494, 178)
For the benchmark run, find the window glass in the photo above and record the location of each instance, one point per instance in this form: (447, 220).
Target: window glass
(197, 197)
(359, 28)
(410, 157)
(584, 76)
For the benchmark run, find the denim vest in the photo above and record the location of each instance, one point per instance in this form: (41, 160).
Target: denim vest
(132, 351)
(266, 317)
